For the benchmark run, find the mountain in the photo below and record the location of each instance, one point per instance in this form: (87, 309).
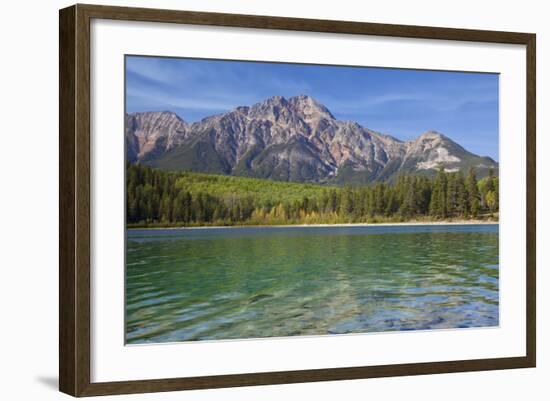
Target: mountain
(296, 139)
(150, 135)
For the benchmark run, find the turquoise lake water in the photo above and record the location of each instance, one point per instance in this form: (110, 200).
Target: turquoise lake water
(229, 283)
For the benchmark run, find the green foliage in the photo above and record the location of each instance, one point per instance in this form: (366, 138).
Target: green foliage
(490, 200)
(488, 190)
(156, 197)
(266, 193)
(473, 196)
(438, 199)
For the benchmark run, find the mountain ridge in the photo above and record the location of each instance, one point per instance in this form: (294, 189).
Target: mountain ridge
(296, 139)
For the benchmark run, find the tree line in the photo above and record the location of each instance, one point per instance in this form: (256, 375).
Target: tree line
(156, 197)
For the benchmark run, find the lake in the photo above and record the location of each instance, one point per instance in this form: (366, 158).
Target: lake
(251, 282)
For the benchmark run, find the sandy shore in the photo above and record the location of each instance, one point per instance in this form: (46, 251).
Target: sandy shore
(409, 223)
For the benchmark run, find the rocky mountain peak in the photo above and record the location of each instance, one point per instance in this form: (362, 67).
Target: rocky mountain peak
(271, 102)
(309, 108)
(429, 136)
(152, 133)
(155, 118)
(272, 108)
(289, 139)
(428, 140)
(242, 109)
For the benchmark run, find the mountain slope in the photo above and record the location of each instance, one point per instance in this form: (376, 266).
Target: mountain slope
(149, 135)
(296, 139)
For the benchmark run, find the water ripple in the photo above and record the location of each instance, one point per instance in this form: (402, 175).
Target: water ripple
(184, 285)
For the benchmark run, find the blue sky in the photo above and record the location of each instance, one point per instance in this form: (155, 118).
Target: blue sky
(402, 103)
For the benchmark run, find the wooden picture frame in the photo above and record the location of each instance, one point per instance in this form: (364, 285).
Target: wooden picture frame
(74, 204)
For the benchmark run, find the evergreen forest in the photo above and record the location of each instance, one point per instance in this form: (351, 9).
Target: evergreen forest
(157, 198)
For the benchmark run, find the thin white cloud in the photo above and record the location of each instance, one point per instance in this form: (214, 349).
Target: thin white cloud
(441, 103)
(194, 103)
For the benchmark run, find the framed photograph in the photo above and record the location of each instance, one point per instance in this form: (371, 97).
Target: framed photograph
(250, 200)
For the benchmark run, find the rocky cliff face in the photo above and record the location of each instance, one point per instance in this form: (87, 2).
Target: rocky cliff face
(295, 139)
(149, 135)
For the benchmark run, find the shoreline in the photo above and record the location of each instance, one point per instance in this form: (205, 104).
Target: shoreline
(411, 223)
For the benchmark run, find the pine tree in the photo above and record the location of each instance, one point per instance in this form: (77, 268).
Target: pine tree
(392, 203)
(496, 183)
(409, 206)
(379, 203)
(438, 203)
(346, 204)
(473, 193)
(490, 200)
(451, 198)
(461, 195)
